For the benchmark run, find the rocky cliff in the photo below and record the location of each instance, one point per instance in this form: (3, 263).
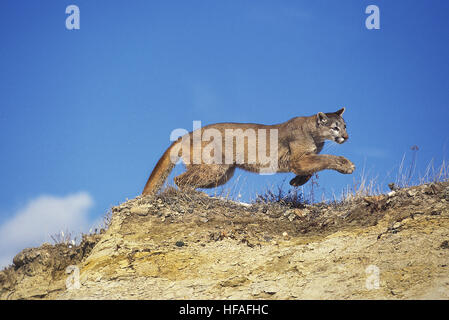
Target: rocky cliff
(186, 245)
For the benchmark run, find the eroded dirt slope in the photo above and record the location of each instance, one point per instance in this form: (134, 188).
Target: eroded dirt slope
(190, 246)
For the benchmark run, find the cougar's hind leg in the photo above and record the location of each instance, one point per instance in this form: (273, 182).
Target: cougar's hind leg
(186, 179)
(300, 180)
(204, 176)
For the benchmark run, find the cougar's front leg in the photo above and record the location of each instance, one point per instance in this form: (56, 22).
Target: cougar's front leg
(309, 164)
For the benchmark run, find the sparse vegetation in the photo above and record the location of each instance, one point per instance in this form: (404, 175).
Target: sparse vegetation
(106, 220)
(63, 238)
(363, 185)
(69, 239)
(293, 197)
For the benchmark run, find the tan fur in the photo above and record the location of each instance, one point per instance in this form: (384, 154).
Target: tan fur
(299, 141)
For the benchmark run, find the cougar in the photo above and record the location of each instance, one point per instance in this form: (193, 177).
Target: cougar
(295, 148)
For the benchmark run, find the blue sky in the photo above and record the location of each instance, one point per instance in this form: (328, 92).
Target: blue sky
(87, 113)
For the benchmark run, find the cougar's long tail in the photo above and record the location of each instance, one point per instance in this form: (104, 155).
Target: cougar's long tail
(160, 172)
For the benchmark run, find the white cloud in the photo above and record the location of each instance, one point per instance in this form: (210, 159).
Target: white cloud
(39, 219)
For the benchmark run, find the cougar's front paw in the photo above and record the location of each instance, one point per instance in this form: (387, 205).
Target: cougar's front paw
(299, 180)
(345, 166)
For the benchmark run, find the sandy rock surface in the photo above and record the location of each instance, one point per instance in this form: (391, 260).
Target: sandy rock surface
(191, 246)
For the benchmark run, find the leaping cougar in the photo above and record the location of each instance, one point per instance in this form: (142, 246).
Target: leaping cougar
(299, 142)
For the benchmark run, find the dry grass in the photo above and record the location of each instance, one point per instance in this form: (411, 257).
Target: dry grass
(293, 198)
(433, 174)
(363, 185)
(63, 238)
(68, 238)
(406, 176)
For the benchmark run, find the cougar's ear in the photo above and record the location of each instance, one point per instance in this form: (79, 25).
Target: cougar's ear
(321, 118)
(340, 112)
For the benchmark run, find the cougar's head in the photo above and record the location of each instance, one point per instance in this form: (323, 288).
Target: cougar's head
(331, 126)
